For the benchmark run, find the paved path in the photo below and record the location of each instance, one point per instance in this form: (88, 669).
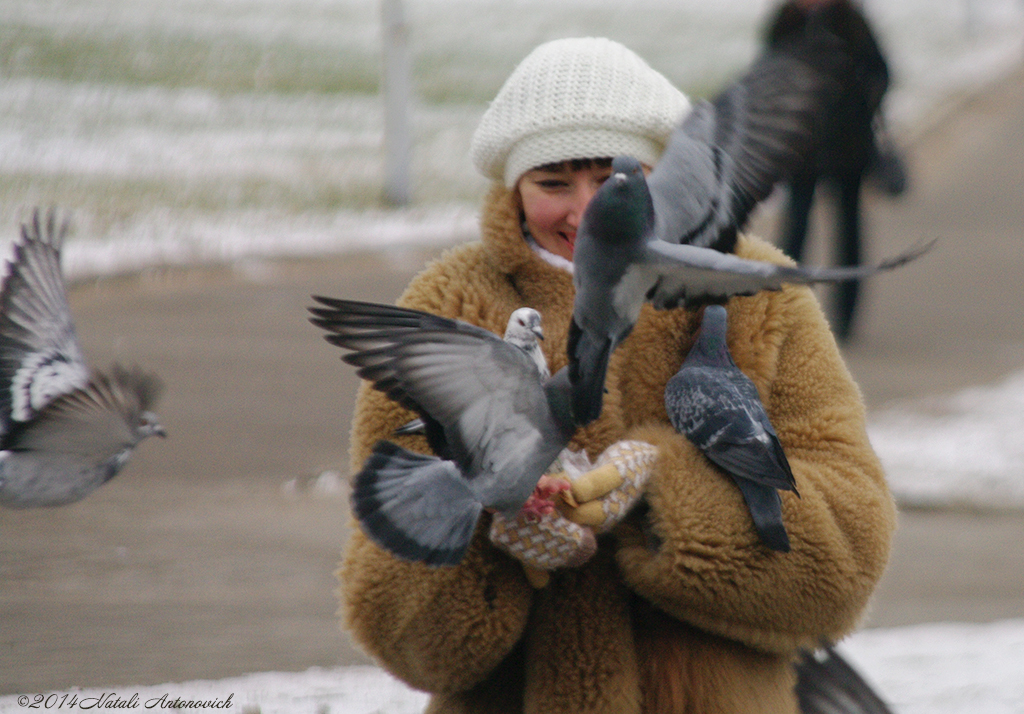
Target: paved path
(199, 561)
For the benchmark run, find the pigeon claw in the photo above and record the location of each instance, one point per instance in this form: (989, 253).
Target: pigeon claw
(542, 501)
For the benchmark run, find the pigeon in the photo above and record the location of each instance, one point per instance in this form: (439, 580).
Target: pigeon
(639, 243)
(621, 263)
(717, 407)
(523, 331)
(64, 429)
(494, 423)
(827, 684)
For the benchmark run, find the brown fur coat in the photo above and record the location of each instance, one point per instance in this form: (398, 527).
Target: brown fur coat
(682, 609)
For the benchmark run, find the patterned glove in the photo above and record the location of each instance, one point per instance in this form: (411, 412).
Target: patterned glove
(598, 496)
(543, 544)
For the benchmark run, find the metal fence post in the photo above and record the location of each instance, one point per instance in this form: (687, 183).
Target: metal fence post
(396, 87)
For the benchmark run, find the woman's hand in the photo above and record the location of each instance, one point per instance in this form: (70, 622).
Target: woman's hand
(586, 498)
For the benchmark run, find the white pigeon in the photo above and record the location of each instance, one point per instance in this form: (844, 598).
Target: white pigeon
(64, 429)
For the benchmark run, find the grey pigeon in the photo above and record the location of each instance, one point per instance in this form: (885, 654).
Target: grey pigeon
(620, 263)
(827, 684)
(64, 430)
(717, 407)
(487, 412)
(522, 331)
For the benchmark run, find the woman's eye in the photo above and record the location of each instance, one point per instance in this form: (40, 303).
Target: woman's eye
(552, 184)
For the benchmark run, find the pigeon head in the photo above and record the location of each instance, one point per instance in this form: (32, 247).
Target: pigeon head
(524, 327)
(135, 393)
(712, 338)
(622, 208)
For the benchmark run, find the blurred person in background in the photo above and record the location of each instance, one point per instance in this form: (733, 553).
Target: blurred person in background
(853, 144)
(672, 603)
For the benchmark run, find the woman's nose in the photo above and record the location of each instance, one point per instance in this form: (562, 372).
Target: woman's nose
(581, 199)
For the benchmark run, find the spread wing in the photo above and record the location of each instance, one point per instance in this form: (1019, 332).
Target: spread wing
(728, 154)
(91, 422)
(485, 393)
(689, 274)
(40, 357)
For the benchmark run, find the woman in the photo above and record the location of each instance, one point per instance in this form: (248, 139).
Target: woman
(679, 607)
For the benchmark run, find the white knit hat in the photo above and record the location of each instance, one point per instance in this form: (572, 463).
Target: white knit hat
(577, 98)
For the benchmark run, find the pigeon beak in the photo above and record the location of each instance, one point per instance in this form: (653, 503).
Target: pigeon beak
(152, 426)
(538, 331)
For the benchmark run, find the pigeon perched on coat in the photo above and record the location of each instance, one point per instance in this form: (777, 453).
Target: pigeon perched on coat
(717, 407)
(522, 331)
(64, 430)
(494, 422)
(621, 263)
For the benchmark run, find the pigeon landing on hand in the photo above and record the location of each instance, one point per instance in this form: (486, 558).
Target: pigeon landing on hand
(717, 407)
(522, 331)
(64, 430)
(486, 410)
(620, 263)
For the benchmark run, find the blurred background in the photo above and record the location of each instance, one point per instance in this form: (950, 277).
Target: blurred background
(224, 159)
(203, 129)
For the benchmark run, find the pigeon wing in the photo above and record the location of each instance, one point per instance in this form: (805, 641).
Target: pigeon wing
(688, 274)
(745, 443)
(418, 507)
(705, 405)
(93, 422)
(357, 319)
(728, 154)
(40, 357)
(485, 393)
(366, 326)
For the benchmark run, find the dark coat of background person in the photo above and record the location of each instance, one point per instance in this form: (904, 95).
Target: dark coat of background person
(847, 148)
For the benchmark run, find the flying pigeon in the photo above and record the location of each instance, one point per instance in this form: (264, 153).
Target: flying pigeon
(495, 424)
(717, 407)
(523, 331)
(620, 263)
(64, 430)
(727, 154)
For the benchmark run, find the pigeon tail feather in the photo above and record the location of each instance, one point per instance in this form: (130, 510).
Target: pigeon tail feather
(418, 507)
(765, 508)
(827, 684)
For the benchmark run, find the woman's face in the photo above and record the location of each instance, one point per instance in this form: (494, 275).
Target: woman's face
(554, 198)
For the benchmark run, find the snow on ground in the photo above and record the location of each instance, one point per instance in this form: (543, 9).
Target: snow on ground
(965, 449)
(945, 668)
